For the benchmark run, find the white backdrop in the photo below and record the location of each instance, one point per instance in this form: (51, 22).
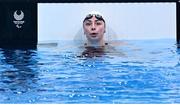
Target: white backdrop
(62, 21)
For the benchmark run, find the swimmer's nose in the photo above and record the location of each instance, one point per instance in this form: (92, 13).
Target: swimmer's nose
(93, 27)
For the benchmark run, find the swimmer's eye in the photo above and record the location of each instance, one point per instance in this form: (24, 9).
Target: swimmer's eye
(87, 24)
(98, 23)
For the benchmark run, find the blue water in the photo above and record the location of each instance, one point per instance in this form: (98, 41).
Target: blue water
(145, 71)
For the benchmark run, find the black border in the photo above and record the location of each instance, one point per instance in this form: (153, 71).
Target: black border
(102, 1)
(178, 23)
(88, 1)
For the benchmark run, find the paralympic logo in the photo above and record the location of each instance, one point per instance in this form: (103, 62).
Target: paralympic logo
(19, 18)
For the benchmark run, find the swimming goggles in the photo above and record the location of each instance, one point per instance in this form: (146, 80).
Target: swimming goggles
(89, 16)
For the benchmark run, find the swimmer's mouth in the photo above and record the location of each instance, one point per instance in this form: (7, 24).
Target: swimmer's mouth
(94, 34)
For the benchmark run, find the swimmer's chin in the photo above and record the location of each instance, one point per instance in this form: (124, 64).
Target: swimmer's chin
(94, 38)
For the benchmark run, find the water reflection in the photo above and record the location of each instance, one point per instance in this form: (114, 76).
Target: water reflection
(19, 73)
(178, 53)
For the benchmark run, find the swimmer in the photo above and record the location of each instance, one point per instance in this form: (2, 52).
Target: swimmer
(94, 43)
(94, 28)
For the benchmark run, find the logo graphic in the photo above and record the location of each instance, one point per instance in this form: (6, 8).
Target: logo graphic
(19, 16)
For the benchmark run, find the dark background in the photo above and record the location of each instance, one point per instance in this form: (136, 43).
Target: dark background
(10, 35)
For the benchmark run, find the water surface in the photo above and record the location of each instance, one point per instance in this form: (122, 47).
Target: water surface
(148, 72)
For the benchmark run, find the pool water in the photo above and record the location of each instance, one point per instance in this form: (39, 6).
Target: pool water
(146, 72)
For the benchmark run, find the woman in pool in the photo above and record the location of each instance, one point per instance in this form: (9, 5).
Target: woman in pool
(94, 38)
(94, 27)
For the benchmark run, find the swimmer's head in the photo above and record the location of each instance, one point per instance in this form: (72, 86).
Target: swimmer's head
(94, 27)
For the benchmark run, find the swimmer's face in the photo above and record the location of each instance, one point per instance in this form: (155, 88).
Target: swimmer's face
(94, 28)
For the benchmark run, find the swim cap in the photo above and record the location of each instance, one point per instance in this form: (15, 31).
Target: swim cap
(98, 15)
